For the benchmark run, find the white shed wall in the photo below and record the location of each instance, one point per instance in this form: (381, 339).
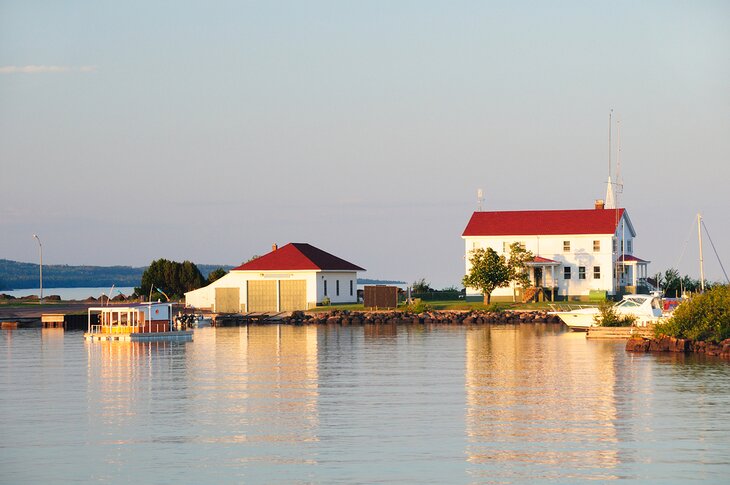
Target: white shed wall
(205, 297)
(332, 277)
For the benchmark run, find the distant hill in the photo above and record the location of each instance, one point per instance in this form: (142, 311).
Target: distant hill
(368, 281)
(17, 276)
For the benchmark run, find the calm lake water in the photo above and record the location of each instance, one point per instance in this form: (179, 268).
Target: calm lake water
(328, 404)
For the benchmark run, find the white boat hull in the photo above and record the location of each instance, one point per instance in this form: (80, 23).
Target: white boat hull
(579, 320)
(644, 309)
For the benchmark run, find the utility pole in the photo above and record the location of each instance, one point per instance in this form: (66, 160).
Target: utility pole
(40, 249)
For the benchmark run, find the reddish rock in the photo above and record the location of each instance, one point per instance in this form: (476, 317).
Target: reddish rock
(713, 349)
(637, 344)
(682, 345)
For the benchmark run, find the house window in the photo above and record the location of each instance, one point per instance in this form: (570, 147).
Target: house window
(504, 246)
(581, 272)
(566, 246)
(350, 287)
(325, 287)
(615, 245)
(566, 273)
(596, 272)
(596, 246)
(629, 246)
(337, 287)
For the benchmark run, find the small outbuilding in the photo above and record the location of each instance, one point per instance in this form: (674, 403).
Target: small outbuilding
(294, 277)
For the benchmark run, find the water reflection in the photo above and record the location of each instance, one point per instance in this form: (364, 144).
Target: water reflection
(540, 402)
(336, 404)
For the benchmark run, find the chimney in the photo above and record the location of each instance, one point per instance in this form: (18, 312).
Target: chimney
(274, 247)
(599, 204)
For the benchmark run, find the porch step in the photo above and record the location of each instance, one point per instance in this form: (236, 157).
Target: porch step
(530, 294)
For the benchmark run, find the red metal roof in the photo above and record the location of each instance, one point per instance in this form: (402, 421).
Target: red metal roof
(629, 257)
(545, 222)
(540, 259)
(298, 256)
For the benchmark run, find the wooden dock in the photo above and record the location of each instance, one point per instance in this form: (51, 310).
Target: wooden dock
(23, 322)
(244, 319)
(65, 321)
(623, 333)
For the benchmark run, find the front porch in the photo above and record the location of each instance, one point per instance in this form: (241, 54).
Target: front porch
(632, 273)
(542, 277)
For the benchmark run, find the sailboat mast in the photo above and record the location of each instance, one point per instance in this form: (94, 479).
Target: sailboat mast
(702, 267)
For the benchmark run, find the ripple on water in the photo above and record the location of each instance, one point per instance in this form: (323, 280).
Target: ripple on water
(427, 404)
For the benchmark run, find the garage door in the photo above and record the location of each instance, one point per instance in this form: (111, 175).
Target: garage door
(262, 296)
(293, 295)
(227, 300)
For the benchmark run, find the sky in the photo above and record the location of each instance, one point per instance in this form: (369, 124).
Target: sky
(206, 131)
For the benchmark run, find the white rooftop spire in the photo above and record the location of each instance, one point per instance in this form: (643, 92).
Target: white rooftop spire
(610, 198)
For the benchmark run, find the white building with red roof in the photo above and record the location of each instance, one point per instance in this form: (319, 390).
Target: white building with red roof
(294, 277)
(576, 251)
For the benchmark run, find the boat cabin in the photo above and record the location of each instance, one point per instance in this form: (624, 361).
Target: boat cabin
(121, 320)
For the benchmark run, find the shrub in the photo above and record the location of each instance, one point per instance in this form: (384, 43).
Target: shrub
(704, 317)
(607, 316)
(326, 301)
(416, 307)
(496, 307)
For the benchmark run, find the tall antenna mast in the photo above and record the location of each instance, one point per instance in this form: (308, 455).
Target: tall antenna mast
(619, 181)
(610, 113)
(480, 199)
(610, 200)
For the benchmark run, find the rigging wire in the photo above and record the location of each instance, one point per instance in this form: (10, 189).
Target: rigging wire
(686, 241)
(715, 250)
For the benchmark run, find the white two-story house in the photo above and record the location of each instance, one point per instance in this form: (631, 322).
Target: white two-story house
(576, 251)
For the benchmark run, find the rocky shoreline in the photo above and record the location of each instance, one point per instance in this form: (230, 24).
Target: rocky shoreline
(671, 344)
(337, 317)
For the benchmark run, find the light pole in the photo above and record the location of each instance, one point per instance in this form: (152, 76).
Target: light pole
(40, 249)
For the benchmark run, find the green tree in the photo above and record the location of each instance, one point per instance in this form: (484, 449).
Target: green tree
(704, 317)
(488, 272)
(671, 283)
(421, 286)
(216, 274)
(173, 278)
(517, 264)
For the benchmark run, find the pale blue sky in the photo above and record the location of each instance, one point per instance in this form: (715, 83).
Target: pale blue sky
(209, 130)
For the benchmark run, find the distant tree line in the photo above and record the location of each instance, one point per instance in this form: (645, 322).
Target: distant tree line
(673, 285)
(15, 275)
